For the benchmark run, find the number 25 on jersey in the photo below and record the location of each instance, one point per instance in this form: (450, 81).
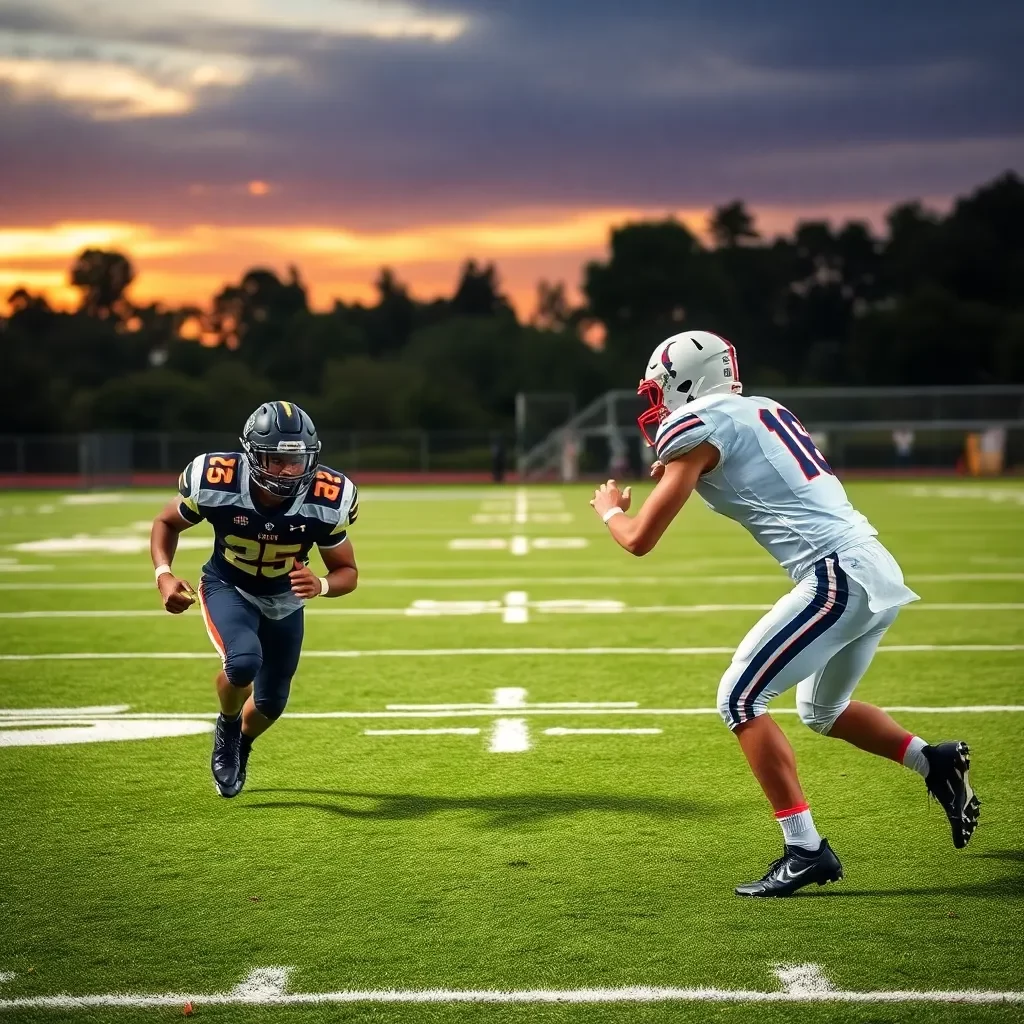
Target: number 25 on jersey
(792, 433)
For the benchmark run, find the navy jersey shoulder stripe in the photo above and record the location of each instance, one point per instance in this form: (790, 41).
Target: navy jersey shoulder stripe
(688, 423)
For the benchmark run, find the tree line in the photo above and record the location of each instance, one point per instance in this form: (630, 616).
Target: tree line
(935, 299)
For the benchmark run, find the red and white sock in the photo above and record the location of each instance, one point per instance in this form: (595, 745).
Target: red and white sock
(798, 827)
(913, 755)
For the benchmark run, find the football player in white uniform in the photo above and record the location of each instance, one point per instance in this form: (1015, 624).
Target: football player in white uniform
(750, 459)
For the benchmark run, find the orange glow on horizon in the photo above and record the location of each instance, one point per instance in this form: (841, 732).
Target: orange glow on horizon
(187, 266)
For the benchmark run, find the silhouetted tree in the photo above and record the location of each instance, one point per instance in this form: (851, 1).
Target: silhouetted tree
(477, 293)
(935, 299)
(553, 312)
(731, 225)
(102, 278)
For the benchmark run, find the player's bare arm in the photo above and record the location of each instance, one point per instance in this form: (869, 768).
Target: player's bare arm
(676, 481)
(177, 594)
(341, 579)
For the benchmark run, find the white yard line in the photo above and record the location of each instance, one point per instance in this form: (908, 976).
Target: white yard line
(917, 606)
(507, 518)
(461, 652)
(515, 609)
(513, 581)
(560, 731)
(421, 732)
(63, 716)
(800, 983)
(559, 705)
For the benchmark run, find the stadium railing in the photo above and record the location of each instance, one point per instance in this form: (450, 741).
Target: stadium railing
(970, 429)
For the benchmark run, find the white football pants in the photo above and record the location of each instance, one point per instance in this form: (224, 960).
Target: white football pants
(820, 638)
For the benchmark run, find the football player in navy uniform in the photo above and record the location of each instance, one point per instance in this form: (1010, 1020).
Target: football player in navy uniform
(268, 505)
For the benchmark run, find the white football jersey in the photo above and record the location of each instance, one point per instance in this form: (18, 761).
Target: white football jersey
(770, 478)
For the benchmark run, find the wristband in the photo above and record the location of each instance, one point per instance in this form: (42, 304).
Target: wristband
(161, 569)
(324, 586)
(613, 511)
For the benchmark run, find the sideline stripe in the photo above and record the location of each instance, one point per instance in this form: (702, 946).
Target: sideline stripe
(630, 994)
(455, 652)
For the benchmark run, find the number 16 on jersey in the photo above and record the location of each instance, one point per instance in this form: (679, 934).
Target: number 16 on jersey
(792, 433)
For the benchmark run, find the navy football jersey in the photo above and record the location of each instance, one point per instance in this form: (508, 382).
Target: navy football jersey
(255, 545)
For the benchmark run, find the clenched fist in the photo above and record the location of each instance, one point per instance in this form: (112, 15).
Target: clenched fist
(305, 583)
(177, 595)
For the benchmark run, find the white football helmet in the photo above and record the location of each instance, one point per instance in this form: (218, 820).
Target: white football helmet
(682, 368)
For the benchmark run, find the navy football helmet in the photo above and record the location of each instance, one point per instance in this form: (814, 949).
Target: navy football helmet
(281, 447)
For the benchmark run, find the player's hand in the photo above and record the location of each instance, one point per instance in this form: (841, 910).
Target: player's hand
(305, 582)
(657, 469)
(608, 495)
(178, 595)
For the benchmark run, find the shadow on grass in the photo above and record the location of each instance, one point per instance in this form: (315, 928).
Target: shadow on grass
(1005, 887)
(500, 811)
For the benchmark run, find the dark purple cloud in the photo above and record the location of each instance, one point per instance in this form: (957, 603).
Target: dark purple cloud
(569, 103)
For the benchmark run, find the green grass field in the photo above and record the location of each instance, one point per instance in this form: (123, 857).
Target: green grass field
(505, 856)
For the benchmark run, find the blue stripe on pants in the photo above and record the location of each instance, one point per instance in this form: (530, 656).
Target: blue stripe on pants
(743, 712)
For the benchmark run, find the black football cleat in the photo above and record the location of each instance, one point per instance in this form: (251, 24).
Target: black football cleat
(224, 763)
(947, 781)
(796, 868)
(243, 762)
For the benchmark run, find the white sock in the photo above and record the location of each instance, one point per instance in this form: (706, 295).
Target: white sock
(798, 827)
(913, 756)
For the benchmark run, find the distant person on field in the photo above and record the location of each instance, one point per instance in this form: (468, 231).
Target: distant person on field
(268, 505)
(903, 442)
(751, 460)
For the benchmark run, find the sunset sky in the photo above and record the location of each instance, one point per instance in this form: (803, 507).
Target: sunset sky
(205, 138)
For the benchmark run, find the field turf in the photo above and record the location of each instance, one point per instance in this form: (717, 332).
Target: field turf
(502, 857)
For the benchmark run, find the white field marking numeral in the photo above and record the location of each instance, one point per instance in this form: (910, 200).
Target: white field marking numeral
(83, 725)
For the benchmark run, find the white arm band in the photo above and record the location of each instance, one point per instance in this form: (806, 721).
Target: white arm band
(161, 569)
(614, 511)
(324, 586)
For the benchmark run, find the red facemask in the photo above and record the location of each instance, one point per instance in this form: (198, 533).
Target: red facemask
(651, 418)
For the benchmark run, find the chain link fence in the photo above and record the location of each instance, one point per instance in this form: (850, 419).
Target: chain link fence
(113, 455)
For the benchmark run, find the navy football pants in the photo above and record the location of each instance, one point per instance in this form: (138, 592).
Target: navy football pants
(254, 649)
